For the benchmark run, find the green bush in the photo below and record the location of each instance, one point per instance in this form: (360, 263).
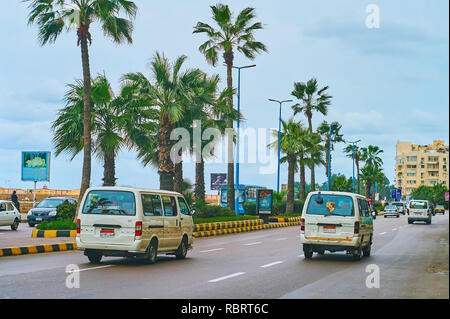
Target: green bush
(206, 211)
(66, 211)
(250, 208)
(59, 224)
(378, 206)
(298, 205)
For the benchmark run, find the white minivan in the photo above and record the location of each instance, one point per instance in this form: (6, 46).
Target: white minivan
(336, 221)
(132, 222)
(9, 215)
(419, 210)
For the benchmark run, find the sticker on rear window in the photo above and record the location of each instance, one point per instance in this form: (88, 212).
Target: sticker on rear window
(331, 206)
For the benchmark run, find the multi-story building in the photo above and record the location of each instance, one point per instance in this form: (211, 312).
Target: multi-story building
(417, 165)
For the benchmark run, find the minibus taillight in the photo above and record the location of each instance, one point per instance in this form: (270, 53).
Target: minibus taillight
(138, 229)
(78, 226)
(302, 224)
(356, 227)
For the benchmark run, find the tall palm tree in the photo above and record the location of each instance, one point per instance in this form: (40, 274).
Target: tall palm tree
(356, 153)
(231, 35)
(371, 156)
(312, 99)
(168, 95)
(336, 137)
(290, 144)
(370, 175)
(52, 16)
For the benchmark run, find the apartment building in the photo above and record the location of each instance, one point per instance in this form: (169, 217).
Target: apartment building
(417, 165)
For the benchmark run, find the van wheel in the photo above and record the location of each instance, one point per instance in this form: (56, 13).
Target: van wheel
(358, 254)
(151, 253)
(366, 250)
(94, 257)
(15, 225)
(182, 249)
(308, 252)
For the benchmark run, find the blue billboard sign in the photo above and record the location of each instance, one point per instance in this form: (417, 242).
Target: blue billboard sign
(393, 194)
(398, 194)
(35, 166)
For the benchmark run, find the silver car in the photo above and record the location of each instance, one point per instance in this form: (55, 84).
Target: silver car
(391, 211)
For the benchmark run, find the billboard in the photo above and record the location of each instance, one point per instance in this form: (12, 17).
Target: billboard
(35, 166)
(217, 180)
(264, 201)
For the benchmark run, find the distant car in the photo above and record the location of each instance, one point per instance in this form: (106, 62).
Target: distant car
(419, 210)
(45, 210)
(440, 209)
(391, 211)
(9, 215)
(400, 206)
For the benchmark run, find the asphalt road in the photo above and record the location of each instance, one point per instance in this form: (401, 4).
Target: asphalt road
(412, 262)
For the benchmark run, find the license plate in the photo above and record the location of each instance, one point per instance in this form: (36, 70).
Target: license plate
(106, 233)
(329, 229)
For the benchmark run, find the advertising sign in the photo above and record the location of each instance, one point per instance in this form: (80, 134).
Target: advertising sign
(35, 166)
(264, 201)
(446, 196)
(399, 194)
(393, 194)
(217, 180)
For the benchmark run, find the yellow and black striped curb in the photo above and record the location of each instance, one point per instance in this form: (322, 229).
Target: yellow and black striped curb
(45, 248)
(285, 219)
(226, 225)
(228, 231)
(53, 233)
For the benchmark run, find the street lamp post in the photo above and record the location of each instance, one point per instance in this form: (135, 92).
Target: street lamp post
(329, 158)
(353, 150)
(279, 141)
(236, 195)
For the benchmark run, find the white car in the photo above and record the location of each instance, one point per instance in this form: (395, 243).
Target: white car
(391, 211)
(9, 215)
(419, 210)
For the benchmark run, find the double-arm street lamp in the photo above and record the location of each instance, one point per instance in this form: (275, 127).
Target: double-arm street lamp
(279, 140)
(236, 196)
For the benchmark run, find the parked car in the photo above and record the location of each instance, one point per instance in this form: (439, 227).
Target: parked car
(391, 211)
(9, 215)
(440, 209)
(419, 210)
(132, 222)
(45, 210)
(336, 221)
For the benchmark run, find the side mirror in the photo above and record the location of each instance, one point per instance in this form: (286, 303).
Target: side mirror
(193, 211)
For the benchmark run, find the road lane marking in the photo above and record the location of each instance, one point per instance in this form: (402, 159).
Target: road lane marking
(382, 233)
(284, 238)
(207, 251)
(250, 244)
(227, 277)
(92, 268)
(394, 228)
(271, 264)
(301, 255)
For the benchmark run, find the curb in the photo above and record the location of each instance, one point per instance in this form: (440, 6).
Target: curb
(285, 219)
(53, 233)
(228, 231)
(225, 225)
(45, 248)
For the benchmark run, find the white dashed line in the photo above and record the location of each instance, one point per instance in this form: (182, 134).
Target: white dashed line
(382, 233)
(227, 277)
(271, 264)
(250, 244)
(301, 255)
(394, 228)
(281, 238)
(207, 251)
(92, 268)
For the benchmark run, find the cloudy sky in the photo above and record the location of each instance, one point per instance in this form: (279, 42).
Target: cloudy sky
(388, 83)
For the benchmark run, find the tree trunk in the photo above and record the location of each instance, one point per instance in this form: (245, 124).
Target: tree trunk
(368, 188)
(302, 180)
(313, 170)
(357, 174)
(178, 177)
(290, 194)
(228, 57)
(109, 170)
(86, 173)
(199, 190)
(166, 167)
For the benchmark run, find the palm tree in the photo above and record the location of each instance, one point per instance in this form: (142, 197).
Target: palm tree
(231, 35)
(106, 123)
(314, 155)
(312, 99)
(370, 175)
(168, 95)
(290, 144)
(356, 153)
(336, 137)
(371, 156)
(52, 16)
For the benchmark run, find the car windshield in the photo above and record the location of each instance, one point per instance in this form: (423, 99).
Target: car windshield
(418, 205)
(110, 203)
(325, 204)
(390, 208)
(49, 203)
(398, 204)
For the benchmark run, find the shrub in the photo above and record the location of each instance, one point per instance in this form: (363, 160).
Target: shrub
(298, 205)
(66, 211)
(378, 206)
(206, 211)
(250, 208)
(59, 224)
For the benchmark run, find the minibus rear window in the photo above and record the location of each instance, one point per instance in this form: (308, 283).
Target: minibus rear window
(110, 203)
(418, 205)
(324, 204)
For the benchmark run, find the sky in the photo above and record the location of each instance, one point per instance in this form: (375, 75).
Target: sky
(388, 83)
